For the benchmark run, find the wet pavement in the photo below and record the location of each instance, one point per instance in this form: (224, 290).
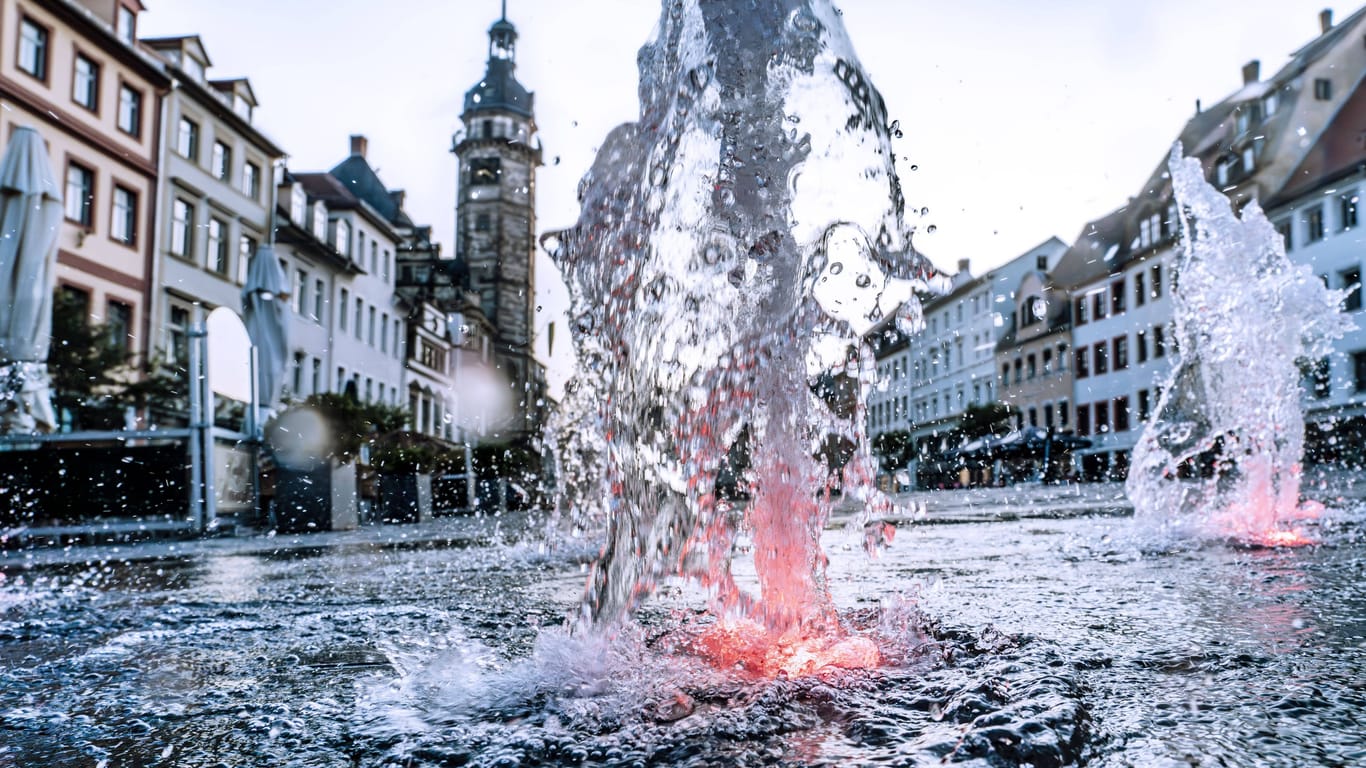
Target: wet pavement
(1043, 627)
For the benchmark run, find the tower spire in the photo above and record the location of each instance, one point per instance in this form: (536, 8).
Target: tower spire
(505, 10)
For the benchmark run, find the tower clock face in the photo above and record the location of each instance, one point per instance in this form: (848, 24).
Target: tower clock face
(485, 170)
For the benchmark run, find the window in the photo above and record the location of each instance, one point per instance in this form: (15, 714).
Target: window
(1033, 416)
(374, 257)
(345, 307)
(1156, 273)
(125, 24)
(1062, 414)
(251, 180)
(123, 219)
(1122, 413)
(398, 338)
(1048, 416)
(1120, 348)
(485, 171)
(1117, 297)
(343, 244)
(1062, 357)
(1221, 173)
(341, 379)
(1041, 262)
(1320, 378)
(1083, 419)
(1102, 358)
(85, 86)
(1270, 103)
(221, 163)
(1249, 160)
(384, 333)
(1285, 229)
(217, 248)
(1141, 343)
(1350, 280)
(1347, 205)
(1145, 235)
(246, 246)
(320, 222)
(1102, 420)
(1314, 218)
(1323, 89)
(1032, 366)
(317, 374)
(33, 49)
(130, 111)
(1047, 361)
(182, 227)
(1019, 370)
(1083, 363)
(1144, 405)
(360, 317)
(1359, 369)
(80, 195)
(299, 359)
(370, 337)
(1080, 311)
(119, 320)
(1005, 373)
(178, 333)
(1159, 341)
(187, 139)
(319, 296)
(297, 301)
(387, 258)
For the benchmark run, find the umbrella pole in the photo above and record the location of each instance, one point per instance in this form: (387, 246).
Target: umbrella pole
(197, 336)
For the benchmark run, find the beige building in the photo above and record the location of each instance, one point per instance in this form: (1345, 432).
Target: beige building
(1033, 357)
(72, 71)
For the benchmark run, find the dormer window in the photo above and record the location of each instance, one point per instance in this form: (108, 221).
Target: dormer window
(193, 68)
(1323, 89)
(1221, 173)
(298, 204)
(1270, 104)
(343, 244)
(241, 106)
(125, 24)
(1249, 160)
(320, 222)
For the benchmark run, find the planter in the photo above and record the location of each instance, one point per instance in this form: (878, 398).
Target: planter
(321, 499)
(405, 498)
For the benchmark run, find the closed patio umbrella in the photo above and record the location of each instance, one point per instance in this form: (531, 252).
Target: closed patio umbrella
(30, 214)
(264, 313)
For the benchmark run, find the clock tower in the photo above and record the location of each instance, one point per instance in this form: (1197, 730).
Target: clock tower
(495, 219)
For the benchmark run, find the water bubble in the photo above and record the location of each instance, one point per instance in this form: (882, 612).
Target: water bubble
(836, 268)
(863, 281)
(915, 167)
(925, 211)
(931, 229)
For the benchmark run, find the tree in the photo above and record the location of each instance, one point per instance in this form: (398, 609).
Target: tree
(893, 449)
(84, 362)
(982, 420)
(351, 422)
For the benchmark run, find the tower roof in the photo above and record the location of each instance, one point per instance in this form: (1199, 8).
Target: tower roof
(499, 90)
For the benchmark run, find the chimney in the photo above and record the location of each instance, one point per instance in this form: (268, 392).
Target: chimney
(1197, 106)
(359, 145)
(963, 266)
(1252, 72)
(1326, 19)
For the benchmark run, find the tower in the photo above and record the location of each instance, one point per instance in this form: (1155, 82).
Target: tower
(495, 214)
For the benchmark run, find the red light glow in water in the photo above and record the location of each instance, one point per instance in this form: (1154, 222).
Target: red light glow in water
(747, 646)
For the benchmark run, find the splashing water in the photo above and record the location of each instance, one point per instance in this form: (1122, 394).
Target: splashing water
(732, 245)
(1245, 318)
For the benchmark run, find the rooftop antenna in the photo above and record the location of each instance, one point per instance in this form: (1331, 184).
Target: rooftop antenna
(505, 10)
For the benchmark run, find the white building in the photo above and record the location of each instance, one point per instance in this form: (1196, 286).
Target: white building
(1268, 141)
(214, 193)
(926, 382)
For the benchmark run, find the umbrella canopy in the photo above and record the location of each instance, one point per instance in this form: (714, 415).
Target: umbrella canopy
(30, 214)
(264, 307)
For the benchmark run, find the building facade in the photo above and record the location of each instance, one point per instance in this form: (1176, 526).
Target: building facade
(498, 154)
(72, 70)
(216, 192)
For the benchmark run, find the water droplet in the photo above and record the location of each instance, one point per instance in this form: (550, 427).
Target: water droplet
(931, 229)
(700, 76)
(925, 211)
(658, 176)
(836, 268)
(915, 167)
(863, 281)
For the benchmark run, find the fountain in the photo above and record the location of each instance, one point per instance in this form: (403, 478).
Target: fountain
(1245, 318)
(733, 244)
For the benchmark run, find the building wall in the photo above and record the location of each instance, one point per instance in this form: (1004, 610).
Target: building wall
(369, 350)
(1035, 370)
(1099, 397)
(116, 275)
(1337, 257)
(191, 276)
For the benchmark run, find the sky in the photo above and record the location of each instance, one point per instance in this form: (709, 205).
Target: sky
(1021, 120)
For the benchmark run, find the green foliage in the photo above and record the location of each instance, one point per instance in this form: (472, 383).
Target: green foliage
(412, 452)
(165, 389)
(351, 422)
(84, 364)
(982, 420)
(514, 460)
(893, 449)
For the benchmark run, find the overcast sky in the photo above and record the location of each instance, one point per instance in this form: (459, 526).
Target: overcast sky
(1023, 119)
